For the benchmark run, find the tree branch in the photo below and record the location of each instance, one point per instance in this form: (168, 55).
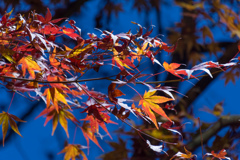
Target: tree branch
(216, 127)
(201, 85)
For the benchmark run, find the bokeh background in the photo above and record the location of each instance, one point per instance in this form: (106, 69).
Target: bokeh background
(171, 20)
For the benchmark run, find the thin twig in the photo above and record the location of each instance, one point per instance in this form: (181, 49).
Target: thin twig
(123, 119)
(103, 78)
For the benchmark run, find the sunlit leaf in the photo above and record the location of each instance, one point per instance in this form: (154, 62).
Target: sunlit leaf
(55, 96)
(60, 116)
(220, 155)
(88, 134)
(29, 64)
(73, 151)
(150, 103)
(181, 155)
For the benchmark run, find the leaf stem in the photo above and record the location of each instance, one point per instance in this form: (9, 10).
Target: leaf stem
(75, 132)
(11, 102)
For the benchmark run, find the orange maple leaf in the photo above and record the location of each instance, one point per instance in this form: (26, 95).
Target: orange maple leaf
(150, 102)
(171, 68)
(70, 33)
(88, 134)
(55, 95)
(61, 116)
(188, 154)
(121, 62)
(59, 78)
(72, 151)
(95, 123)
(52, 59)
(220, 155)
(30, 65)
(5, 119)
(140, 52)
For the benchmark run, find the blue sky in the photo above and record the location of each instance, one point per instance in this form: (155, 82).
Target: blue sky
(37, 142)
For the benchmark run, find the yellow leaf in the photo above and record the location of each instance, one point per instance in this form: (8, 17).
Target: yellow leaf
(78, 51)
(88, 134)
(72, 151)
(7, 53)
(5, 119)
(188, 154)
(191, 7)
(150, 102)
(30, 65)
(55, 122)
(118, 60)
(63, 121)
(55, 95)
(60, 116)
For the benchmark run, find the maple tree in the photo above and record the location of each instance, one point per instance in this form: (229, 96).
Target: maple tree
(36, 66)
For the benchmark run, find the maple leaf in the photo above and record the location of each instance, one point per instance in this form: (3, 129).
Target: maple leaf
(113, 93)
(79, 50)
(140, 52)
(121, 113)
(72, 151)
(6, 16)
(55, 95)
(88, 134)
(60, 116)
(167, 48)
(70, 33)
(139, 112)
(48, 18)
(7, 53)
(9, 71)
(188, 155)
(52, 30)
(167, 125)
(5, 119)
(119, 150)
(95, 123)
(150, 102)
(53, 61)
(171, 68)
(121, 63)
(220, 155)
(30, 65)
(58, 78)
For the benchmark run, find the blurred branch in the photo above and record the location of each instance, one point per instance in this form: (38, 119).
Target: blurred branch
(70, 9)
(216, 127)
(202, 84)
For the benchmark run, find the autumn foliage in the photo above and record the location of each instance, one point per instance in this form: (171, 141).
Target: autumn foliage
(35, 65)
